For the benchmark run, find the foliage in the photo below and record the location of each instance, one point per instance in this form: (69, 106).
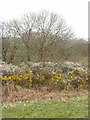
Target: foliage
(16, 79)
(76, 79)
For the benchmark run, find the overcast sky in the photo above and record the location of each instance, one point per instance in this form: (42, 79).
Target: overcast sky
(75, 12)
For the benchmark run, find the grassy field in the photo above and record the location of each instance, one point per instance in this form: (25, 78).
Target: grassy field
(75, 107)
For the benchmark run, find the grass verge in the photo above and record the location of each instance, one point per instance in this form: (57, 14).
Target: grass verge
(75, 107)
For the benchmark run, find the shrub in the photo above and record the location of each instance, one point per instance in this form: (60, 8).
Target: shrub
(58, 81)
(77, 79)
(74, 79)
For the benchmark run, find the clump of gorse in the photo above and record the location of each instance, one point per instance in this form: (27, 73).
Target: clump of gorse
(72, 75)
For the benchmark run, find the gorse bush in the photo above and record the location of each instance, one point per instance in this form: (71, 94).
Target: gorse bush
(75, 79)
(17, 79)
(42, 78)
(58, 81)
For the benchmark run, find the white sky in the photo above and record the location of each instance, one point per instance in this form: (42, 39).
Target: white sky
(75, 12)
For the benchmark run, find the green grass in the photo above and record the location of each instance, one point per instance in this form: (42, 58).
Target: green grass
(72, 108)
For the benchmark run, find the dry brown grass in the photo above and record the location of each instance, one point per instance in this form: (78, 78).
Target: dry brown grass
(23, 94)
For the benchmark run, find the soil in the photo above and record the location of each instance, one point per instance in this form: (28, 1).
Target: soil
(23, 94)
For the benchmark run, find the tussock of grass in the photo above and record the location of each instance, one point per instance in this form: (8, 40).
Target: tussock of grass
(75, 107)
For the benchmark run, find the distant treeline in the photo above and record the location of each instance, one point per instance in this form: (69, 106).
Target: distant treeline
(41, 37)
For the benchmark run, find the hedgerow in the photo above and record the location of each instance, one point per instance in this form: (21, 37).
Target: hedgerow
(75, 79)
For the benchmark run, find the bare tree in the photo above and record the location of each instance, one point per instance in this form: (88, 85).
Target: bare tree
(4, 36)
(38, 32)
(46, 28)
(51, 29)
(8, 33)
(25, 30)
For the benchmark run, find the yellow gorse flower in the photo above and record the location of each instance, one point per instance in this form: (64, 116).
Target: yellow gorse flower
(25, 69)
(5, 78)
(71, 75)
(57, 77)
